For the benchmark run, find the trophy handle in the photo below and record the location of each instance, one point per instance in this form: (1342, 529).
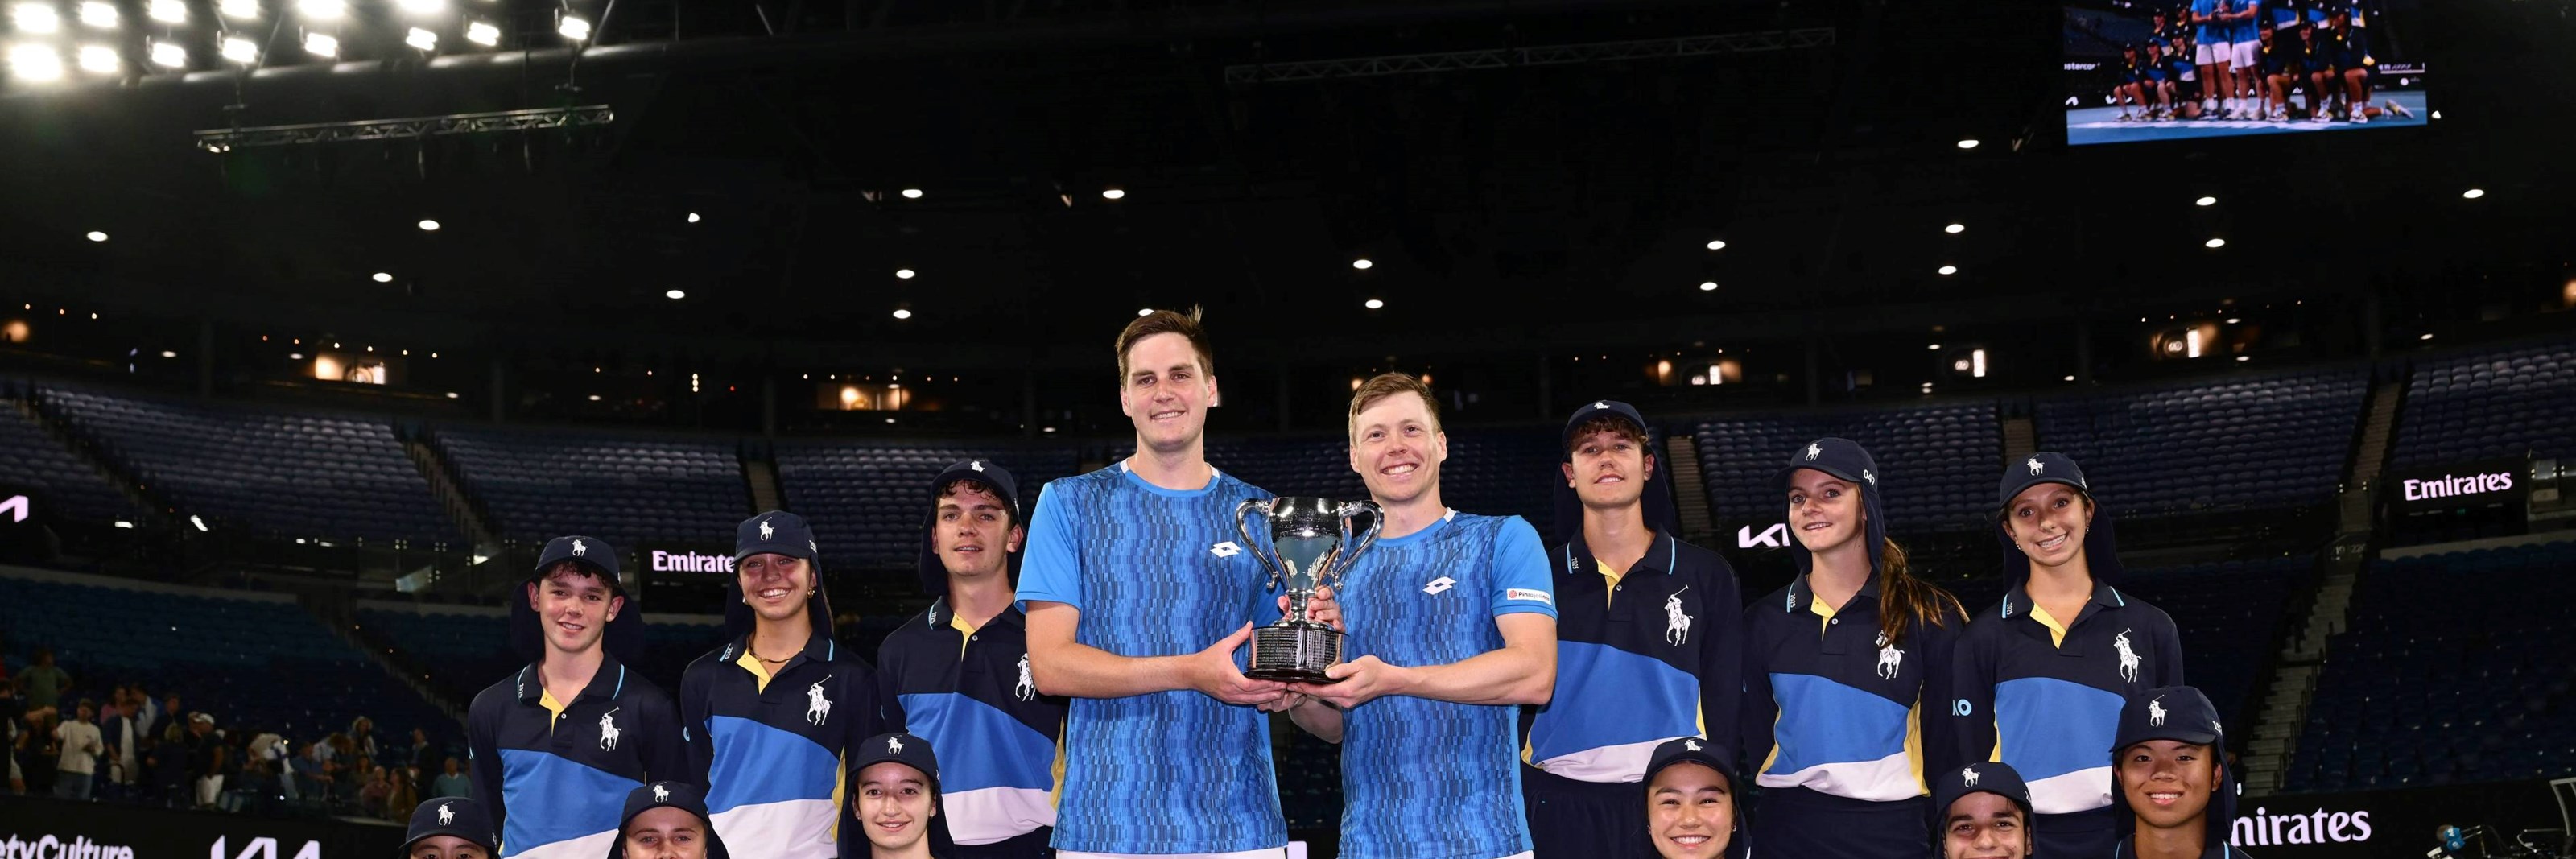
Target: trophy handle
(1351, 549)
(1263, 506)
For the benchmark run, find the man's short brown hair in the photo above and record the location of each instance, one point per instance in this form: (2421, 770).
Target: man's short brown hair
(1010, 511)
(1386, 385)
(1167, 322)
(1608, 422)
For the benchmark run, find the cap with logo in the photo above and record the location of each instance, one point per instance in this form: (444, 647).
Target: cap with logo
(776, 532)
(995, 479)
(2183, 715)
(624, 637)
(667, 794)
(1661, 514)
(1594, 409)
(1993, 777)
(1693, 750)
(453, 816)
(2101, 548)
(1847, 461)
(898, 747)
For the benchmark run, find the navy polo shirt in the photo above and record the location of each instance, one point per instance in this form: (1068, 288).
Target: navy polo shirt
(2050, 708)
(1655, 657)
(968, 691)
(1831, 705)
(557, 785)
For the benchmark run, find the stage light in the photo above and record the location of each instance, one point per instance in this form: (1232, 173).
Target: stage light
(169, 354)
(2244, 357)
(97, 236)
(322, 10)
(167, 11)
(675, 295)
(2233, 320)
(200, 523)
(1144, 311)
(2437, 114)
(693, 217)
(421, 39)
(574, 27)
(295, 356)
(1113, 194)
(2472, 194)
(2070, 378)
(1362, 264)
(1708, 286)
(422, 7)
(98, 59)
(451, 395)
(322, 44)
(1949, 270)
(384, 277)
(1936, 347)
(1955, 229)
(427, 225)
(902, 313)
(2425, 337)
(2214, 243)
(2205, 201)
(1969, 143)
(168, 54)
(482, 33)
(35, 18)
(594, 398)
(243, 9)
(97, 13)
(903, 273)
(1373, 304)
(912, 193)
(123, 524)
(35, 63)
(1717, 244)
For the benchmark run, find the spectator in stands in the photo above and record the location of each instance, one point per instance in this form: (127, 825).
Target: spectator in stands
(147, 717)
(267, 752)
(2168, 746)
(779, 626)
(120, 732)
(399, 793)
(451, 828)
(1590, 745)
(1831, 791)
(171, 714)
(166, 767)
(668, 820)
(1692, 809)
(575, 711)
(2076, 644)
(424, 762)
(41, 750)
(1982, 811)
(362, 737)
(43, 682)
(451, 780)
(207, 758)
(375, 786)
(943, 673)
(76, 761)
(12, 713)
(319, 769)
(894, 793)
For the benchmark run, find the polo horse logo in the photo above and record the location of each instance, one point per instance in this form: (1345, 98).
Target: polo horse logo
(2128, 657)
(817, 707)
(1028, 687)
(608, 730)
(2156, 712)
(1676, 624)
(445, 816)
(1968, 777)
(1890, 660)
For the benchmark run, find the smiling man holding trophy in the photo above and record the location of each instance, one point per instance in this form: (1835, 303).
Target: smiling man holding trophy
(1455, 626)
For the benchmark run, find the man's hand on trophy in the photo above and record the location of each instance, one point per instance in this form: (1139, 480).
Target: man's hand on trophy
(1320, 608)
(1212, 672)
(1286, 701)
(1362, 679)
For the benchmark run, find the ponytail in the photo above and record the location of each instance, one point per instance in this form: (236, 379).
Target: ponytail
(1906, 599)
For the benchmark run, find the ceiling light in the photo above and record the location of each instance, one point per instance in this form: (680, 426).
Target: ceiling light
(240, 50)
(98, 59)
(693, 217)
(168, 54)
(2427, 336)
(97, 236)
(1362, 264)
(295, 356)
(167, 11)
(428, 225)
(1144, 311)
(200, 523)
(322, 44)
(2214, 243)
(594, 398)
(2437, 114)
(2244, 357)
(912, 193)
(901, 313)
(1955, 229)
(1708, 286)
(904, 273)
(1969, 143)
(675, 295)
(322, 10)
(169, 354)
(451, 395)
(98, 13)
(2205, 201)
(35, 18)
(1373, 304)
(482, 33)
(35, 63)
(2070, 378)
(1113, 194)
(384, 277)
(1949, 269)
(245, 9)
(574, 27)
(2472, 194)
(2233, 320)
(421, 39)
(1717, 244)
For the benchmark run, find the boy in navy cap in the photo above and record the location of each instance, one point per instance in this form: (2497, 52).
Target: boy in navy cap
(1650, 641)
(895, 794)
(667, 820)
(451, 828)
(1981, 811)
(958, 673)
(1692, 808)
(769, 715)
(557, 745)
(2171, 787)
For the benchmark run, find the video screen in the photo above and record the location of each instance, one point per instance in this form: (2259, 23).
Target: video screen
(2142, 70)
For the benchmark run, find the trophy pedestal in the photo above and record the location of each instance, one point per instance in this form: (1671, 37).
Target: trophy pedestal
(1295, 652)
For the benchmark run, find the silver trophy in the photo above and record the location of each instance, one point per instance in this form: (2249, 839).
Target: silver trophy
(1310, 546)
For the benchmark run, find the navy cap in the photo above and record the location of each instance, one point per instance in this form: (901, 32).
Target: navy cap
(1840, 457)
(2035, 469)
(1694, 750)
(1598, 408)
(1992, 777)
(774, 533)
(984, 471)
(2177, 713)
(667, 794)
(624, 637)
(898, 747)
(458, 816)
(587, 550)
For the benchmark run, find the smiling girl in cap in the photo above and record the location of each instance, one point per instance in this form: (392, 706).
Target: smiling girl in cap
(1692, 808)
(451, 828)
(2042, 675)
(1843, 715)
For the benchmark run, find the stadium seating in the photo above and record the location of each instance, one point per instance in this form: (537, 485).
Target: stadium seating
(279, 472)
(868, 499)
(252, 660)
(2272, 441)
(59, 480)
(1937, 461)
(539, 484)
(2485, 405)
(2447, 674)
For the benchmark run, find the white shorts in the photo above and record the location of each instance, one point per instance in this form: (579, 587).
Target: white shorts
(2245, 53)
(2210, 53)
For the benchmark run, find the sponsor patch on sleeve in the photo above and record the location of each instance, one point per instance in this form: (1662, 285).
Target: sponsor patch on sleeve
(1540, 597)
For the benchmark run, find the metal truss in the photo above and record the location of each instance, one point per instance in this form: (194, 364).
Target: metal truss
(221, 139)
(1544, 55)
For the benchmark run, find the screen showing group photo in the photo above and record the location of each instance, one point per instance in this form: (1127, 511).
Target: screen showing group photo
(2140, 70)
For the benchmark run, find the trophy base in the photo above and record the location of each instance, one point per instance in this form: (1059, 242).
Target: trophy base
(1295, 652)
